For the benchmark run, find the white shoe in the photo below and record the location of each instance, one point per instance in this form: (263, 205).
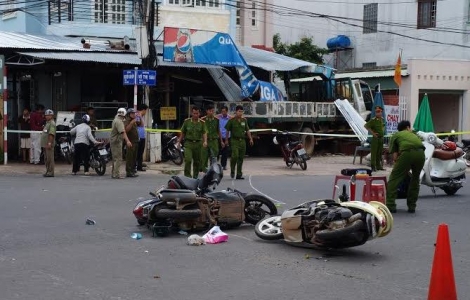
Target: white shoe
(87, 173)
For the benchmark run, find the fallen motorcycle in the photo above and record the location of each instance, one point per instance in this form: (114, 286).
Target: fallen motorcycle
(328, 224)
(192, 204)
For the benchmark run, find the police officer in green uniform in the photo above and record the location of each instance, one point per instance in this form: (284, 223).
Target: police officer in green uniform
(48, 142)
(194, 132)
(376, 127)
(117, 136)
(133, 135)
(238, 127)
(408, 154)
(213, 137)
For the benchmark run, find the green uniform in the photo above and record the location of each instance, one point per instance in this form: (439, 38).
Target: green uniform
(116, 139)
(49, 129)
(212, 125)
(193, 134)
(131, 152)
(411, 157)
(377, 143)
(237, 128)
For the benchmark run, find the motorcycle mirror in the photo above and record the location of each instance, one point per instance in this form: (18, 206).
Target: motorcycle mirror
(274, 130)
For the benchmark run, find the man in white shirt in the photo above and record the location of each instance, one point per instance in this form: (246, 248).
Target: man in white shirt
(83, 137)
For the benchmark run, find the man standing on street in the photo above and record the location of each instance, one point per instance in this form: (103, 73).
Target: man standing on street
(83, 137)
(237, 127)
(213, 137)
(376, 127)
(48, 142)
(223, 119)
(36, 122)
(133, 135)
(194, 132)
(408, 153)
(140, 117)
(118, 134)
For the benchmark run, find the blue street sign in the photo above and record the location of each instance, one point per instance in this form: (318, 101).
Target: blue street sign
(144, 77)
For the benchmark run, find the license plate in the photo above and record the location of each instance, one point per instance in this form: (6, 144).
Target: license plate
(64, 145)
(103, 152)
(301, 151)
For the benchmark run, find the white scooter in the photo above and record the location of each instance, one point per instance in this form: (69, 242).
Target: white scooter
(443, 168)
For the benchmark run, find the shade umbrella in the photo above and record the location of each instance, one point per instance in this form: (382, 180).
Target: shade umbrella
(423, 120)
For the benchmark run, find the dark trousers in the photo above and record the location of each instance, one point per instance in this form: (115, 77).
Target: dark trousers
(224, 155)
(82, 153)
(140, 154)
(131, 155)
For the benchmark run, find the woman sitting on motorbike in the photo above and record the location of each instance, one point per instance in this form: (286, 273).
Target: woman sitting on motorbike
(83, 137)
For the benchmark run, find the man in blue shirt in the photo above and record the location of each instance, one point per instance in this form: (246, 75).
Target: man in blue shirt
(223, 119)
(140, 120)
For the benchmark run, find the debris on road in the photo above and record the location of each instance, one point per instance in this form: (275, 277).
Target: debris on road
(182, 232)
(195, 240)
(90, 222)
(136, 236)
(215, 235)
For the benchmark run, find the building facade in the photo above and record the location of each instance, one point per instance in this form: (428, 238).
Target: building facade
(254, 24)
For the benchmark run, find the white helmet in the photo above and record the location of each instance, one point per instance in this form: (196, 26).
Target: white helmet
(121, 112)
(275, 141)
(49, 112)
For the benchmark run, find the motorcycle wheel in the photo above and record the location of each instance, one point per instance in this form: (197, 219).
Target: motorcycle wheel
(269, 228)
(176, 156)
(178, 214)
(68, 158)
(328, 234)
(101, 169)
(253, 208)
(450, 191)
(303, 164)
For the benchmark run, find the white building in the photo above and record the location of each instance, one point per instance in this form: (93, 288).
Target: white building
(432, 35)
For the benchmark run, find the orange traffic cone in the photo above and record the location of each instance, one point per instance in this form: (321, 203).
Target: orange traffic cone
(442, 286)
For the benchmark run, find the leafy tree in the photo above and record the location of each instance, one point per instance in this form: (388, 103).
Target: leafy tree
(304, 49)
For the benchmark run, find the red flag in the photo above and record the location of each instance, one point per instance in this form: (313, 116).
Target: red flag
(397, 77)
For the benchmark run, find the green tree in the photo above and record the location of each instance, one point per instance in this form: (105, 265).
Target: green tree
(304, 49)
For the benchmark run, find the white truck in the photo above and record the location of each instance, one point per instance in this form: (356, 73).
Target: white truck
(312, 111)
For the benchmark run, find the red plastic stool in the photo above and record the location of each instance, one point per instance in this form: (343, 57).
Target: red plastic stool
(376, 193)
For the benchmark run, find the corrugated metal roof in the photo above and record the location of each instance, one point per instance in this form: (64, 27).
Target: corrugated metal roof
(271, 61)
(16, 40)
(117, 58)
(357, 75)
(229, 88)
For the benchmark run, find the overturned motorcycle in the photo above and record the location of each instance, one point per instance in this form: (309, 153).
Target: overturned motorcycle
(328, 224)
(192, 204)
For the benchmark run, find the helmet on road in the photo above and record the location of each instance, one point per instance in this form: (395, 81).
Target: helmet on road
(49, 112)
(86, 118)
(121, 112)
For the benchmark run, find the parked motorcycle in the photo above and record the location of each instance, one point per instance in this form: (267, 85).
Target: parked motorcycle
(64, 146)
(170, 151)
(98, 158)
(443, 168)
(328, 224)
(193, 204)
(292, 151)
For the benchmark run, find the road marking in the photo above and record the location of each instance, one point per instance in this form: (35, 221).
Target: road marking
(259, 192)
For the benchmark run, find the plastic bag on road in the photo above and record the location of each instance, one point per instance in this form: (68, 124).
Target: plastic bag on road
(215, 235)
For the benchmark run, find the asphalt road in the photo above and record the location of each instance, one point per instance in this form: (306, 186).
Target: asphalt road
(47, 251)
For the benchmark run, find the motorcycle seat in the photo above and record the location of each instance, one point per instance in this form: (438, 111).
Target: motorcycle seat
(294, 143)
(447, 155)
(466, 143)
(187, 183)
